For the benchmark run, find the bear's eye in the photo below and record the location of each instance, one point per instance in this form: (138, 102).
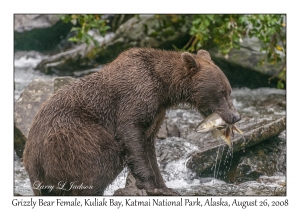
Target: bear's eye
(223, 92)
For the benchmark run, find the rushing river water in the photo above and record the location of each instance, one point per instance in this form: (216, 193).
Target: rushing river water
(175, 172)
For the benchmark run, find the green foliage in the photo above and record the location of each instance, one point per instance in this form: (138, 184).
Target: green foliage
(227, 32)
(166, 26)
(83, 24)
(270, 29)
(223, 31)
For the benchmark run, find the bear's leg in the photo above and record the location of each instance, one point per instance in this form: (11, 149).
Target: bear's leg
(152, 132)
(141, 160)
(161, 189)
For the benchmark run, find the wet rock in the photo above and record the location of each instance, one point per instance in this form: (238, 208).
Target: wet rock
(266, 159)
(173, 149)
(78, 58)
(249, 56)
(70, 60)
(59, 82)
(278, 179)
(242, 66)
(130, 188)
(243, 76)
(28, 22)
(181, 122)
(28, 105)
(168, 130)
(174, 131)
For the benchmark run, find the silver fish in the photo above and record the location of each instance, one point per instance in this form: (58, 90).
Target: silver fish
(218, 128)
(210, 123)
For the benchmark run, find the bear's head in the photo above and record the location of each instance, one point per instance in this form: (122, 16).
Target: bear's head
(208, 86)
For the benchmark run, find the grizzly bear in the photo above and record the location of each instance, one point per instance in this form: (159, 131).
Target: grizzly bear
(87, 132)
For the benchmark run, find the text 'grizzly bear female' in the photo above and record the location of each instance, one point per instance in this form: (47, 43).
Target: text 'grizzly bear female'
(87, 132)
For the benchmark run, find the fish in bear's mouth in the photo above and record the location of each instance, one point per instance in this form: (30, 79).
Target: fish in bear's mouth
(218, 128)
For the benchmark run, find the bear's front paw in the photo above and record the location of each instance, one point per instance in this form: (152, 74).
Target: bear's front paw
(162, 191)
(151, 189)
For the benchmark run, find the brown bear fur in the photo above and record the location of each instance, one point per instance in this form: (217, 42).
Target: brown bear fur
(90, 130)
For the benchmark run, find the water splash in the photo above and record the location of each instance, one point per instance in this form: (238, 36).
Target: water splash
(216, 160)
(22, 183)
(24, 72)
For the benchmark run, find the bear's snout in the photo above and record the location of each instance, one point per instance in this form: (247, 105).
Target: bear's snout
(229, 116)
(235, 117)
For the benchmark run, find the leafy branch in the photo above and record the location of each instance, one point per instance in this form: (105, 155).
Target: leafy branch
(83, 24)
(227, 32)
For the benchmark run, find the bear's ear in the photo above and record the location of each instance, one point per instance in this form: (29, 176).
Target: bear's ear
(204, 54)
(189, 61)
